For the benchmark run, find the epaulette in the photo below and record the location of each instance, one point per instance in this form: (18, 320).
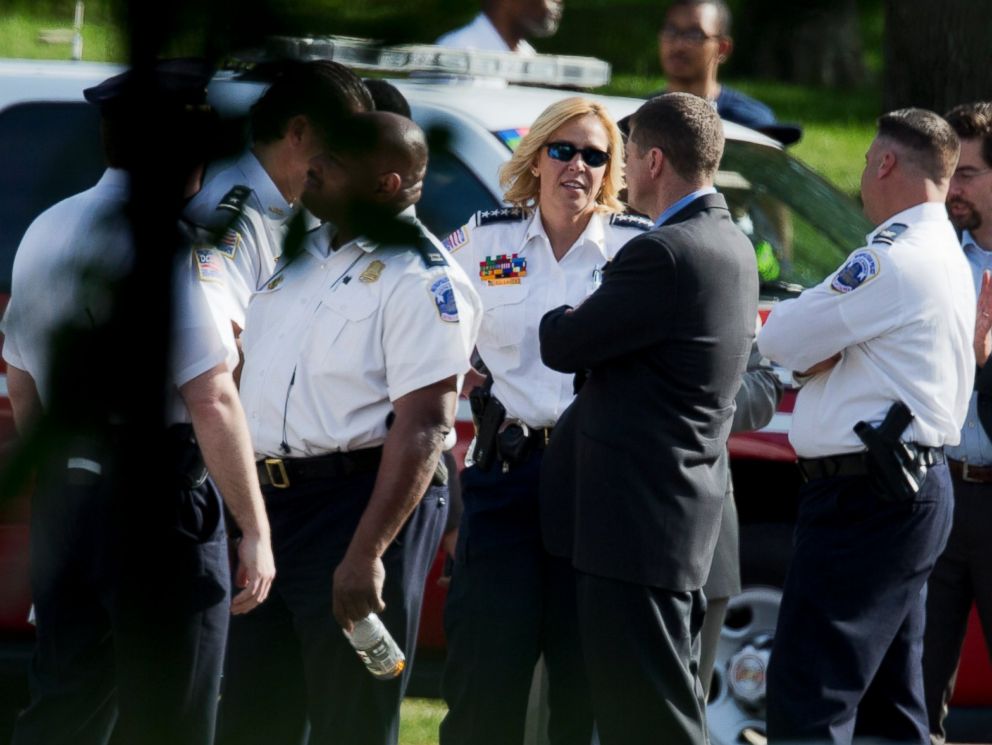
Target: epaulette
(429, 253)
(235, 199)
(629, 220)
(889, 235)
(506, 214)
(228, 211)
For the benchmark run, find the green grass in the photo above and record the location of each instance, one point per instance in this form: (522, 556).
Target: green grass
(837, 126)
(419, 721)
(19, 38)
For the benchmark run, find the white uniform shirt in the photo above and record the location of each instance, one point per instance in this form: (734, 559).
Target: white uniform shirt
(335, 336)
(531, 284)
(481, 34)
(88, 231)
(902, 313)
(250, 243)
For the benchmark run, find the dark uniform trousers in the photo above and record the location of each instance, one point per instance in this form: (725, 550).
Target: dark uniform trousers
(115, 634)
(288, 661)
(962, 576)
(846, 657)
(509, 602)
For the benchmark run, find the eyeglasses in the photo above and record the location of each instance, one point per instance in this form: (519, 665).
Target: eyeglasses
(967, 176)
(565, 151)
(694, 36)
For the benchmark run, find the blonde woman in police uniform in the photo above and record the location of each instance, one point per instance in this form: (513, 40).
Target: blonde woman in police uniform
(510, 600)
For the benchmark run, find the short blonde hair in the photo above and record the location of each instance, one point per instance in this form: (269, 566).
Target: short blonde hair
(523, 188)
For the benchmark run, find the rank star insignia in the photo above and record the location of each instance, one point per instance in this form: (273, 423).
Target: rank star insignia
(503, 269)
(372, 271)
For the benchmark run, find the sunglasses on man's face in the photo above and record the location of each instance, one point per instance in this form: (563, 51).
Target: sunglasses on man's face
(565, 151)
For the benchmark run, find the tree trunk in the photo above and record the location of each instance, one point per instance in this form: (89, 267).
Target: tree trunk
(937, 54)
(813, 42)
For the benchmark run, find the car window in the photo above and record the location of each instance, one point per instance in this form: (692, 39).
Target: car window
(452, 194)
(802, 228)
(49, 151)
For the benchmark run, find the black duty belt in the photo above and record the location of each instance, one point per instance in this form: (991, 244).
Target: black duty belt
(283, 472)
(972, 474)
(539, 438)
(857, 464)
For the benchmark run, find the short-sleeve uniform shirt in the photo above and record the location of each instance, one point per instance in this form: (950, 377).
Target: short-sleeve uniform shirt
(335, 336)
(901, 311)
(508, 257)
(89, 233)
(241, 204)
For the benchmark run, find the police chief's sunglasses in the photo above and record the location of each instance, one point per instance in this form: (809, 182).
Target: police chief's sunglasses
(565, 151)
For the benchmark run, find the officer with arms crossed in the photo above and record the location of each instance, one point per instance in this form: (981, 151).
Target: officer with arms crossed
(884, 345)
(109, 636)
(353, 350)
(509, 599)
(665, 341)
(963, 574)
(248, 203)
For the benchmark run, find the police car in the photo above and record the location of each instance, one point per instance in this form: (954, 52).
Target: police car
(801, 227)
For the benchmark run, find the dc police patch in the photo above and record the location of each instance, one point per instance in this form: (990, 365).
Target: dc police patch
(207, 265)
(444, 298)
(862, 267)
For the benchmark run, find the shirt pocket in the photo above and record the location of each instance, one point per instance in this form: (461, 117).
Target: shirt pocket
(342, 326)
(504, 321)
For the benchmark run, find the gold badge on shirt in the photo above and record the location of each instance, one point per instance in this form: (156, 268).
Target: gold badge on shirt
(372, 271)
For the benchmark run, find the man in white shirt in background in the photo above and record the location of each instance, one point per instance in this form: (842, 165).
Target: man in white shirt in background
(505, 26)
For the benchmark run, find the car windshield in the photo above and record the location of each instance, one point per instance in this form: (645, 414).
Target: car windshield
(802, 228)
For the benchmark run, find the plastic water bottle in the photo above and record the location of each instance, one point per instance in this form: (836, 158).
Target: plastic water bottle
(377, 648)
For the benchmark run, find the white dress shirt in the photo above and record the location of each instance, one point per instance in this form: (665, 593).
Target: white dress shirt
(481, 34)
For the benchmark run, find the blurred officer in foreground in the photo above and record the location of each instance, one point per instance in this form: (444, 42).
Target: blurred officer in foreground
(692, 44)
(511, 600)
(353, 351)
(665, 340)
(963, 574)
(249, 202)
(884, 347)
(505, 26)
(131, 592)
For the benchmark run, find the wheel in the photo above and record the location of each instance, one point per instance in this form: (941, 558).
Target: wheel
(736, 709)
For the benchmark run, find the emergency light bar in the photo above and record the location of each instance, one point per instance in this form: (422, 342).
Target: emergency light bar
(363, 54)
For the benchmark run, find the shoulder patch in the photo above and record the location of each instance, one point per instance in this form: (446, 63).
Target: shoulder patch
(444, 298)
(208, 266)
(889, 235)
(235, 199)
(862, 267)
(456, 240)
(627, 220)
(229, 243)
(507, 214)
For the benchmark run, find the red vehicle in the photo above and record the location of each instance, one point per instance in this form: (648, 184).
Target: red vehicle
(801, 227)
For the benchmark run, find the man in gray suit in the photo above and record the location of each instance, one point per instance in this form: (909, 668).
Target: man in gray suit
(665, 340)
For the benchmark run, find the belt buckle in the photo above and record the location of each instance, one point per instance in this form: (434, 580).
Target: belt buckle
(965, 476)
(275, 467)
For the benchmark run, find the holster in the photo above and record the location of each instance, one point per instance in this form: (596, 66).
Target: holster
(896, 467)
(488, 414)
(187, 462)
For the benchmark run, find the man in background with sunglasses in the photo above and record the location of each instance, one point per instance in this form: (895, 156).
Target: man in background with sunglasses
(692, 44)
